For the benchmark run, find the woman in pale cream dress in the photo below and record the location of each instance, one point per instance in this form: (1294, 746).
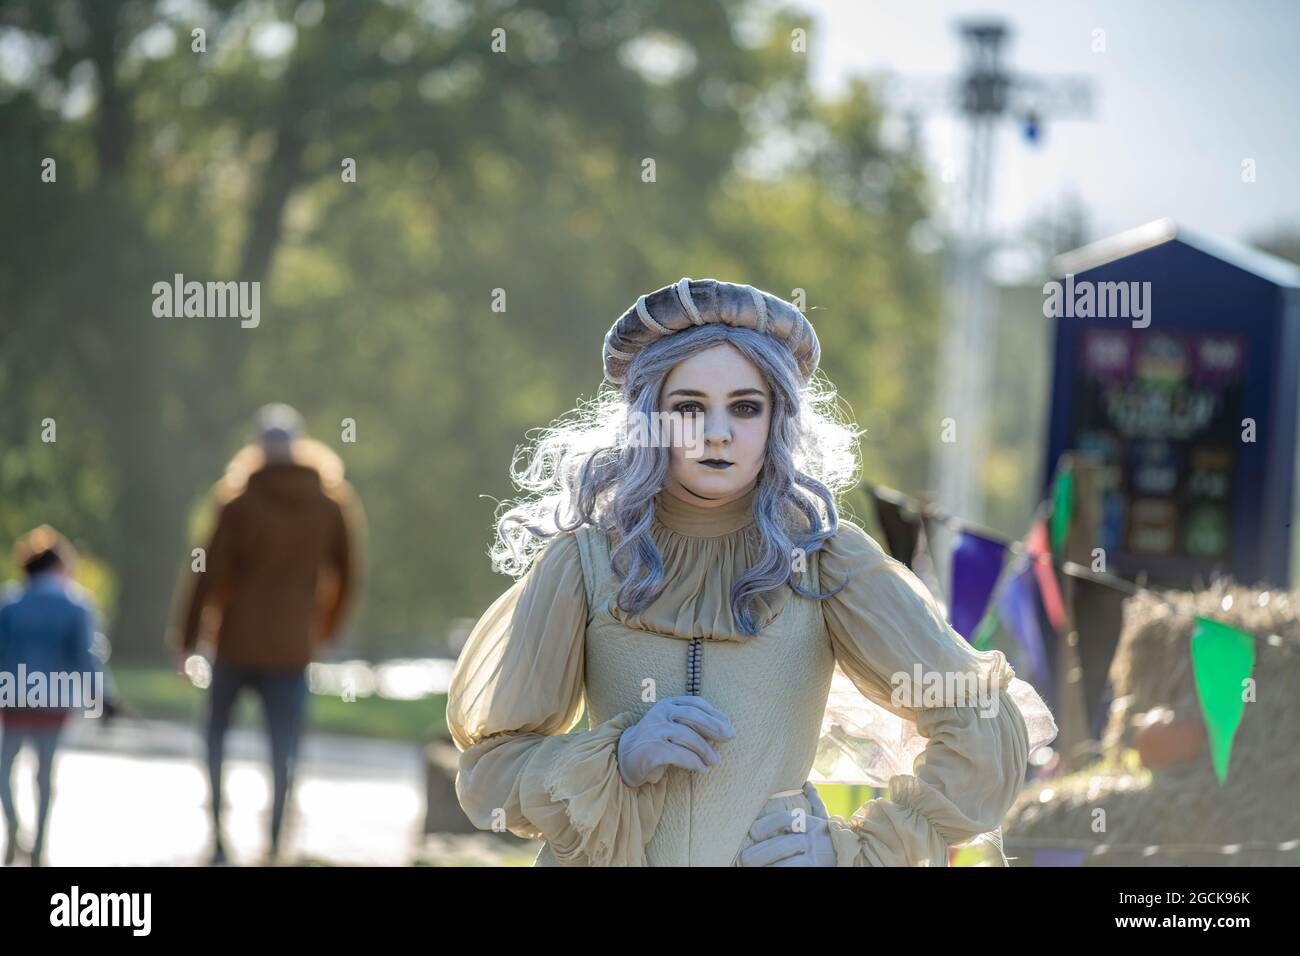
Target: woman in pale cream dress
(688, 581)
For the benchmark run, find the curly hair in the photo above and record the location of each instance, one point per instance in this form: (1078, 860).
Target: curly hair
(584, 470)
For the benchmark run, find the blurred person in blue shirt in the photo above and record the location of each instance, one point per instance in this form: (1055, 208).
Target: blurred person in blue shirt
(48, 668)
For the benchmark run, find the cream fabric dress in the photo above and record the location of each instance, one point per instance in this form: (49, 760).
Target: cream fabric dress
(556, 641)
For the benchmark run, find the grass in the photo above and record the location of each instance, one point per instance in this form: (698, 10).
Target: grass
(843, 799)
(156, 693)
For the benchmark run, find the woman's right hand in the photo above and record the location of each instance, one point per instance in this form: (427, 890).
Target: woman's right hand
(675, 732)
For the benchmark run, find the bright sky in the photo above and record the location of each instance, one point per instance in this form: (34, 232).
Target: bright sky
(1183, 93)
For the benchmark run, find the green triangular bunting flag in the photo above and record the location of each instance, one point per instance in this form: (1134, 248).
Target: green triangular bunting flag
(1062, 506)
(1222, 658)
(987, 630)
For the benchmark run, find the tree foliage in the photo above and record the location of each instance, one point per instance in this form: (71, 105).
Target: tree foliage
(477, 170)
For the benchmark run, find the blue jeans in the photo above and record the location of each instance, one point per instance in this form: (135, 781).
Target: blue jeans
(45, 740)
(284, 700)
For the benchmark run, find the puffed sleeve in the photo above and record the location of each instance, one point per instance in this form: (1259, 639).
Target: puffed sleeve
(516, 692)
(890, 636)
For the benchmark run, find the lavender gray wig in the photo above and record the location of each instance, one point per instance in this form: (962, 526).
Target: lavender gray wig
(583, 469)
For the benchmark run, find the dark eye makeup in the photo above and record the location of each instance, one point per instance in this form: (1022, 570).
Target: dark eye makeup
(743, 409)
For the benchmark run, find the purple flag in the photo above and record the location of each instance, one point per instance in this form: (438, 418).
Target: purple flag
(1062, 857)
(976, 564)
(1019, 614)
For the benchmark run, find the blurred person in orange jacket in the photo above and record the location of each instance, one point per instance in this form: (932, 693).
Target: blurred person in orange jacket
(282, 567)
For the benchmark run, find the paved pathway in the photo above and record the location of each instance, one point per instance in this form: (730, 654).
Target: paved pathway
(135, 793)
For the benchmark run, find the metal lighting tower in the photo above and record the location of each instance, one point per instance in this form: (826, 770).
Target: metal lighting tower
(985, 93)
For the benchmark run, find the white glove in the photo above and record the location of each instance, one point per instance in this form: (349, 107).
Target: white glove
(777, 843)
(672, 734)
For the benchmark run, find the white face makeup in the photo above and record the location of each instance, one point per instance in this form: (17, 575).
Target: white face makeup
(727, 444)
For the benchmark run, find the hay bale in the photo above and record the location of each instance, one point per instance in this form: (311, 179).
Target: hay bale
(1184, 803)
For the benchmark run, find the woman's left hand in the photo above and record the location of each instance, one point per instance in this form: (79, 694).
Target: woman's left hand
(777, 842)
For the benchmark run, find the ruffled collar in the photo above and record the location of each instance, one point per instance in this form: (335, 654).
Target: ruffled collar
(699, 521)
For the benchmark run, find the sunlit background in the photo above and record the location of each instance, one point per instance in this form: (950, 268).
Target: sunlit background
(810, 145)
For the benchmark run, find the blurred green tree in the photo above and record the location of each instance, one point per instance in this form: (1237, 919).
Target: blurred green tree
(477, 169)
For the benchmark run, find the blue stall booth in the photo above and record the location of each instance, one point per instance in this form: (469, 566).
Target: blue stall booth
(1177, 366)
